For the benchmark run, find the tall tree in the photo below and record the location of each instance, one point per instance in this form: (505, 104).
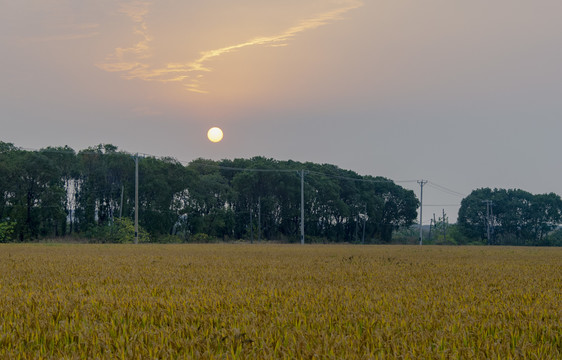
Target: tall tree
(45, 191)
(66, 162)
(514, 217)
(38, 196)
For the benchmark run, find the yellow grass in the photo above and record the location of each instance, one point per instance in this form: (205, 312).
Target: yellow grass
(279, 301)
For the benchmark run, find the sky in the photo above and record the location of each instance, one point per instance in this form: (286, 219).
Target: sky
(465, 94)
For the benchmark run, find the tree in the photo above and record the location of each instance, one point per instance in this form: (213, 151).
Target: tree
(6, 231)
(398, 208)
(56, 191)
(104, 173)
(472, 217)
(7, 180)
(208, 200)
(516, 217)
(33, 195)
(546, 214)
(163, 182)
(66, 162)
(553, 239)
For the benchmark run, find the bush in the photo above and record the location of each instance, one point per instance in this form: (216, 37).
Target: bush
(201, 238)
(6, 231)
(121, 231)
(449, 240)
(405, 235)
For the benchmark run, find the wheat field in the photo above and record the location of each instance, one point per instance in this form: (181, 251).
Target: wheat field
(241, 301)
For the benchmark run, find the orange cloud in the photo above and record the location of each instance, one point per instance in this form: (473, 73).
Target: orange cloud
(133, 61)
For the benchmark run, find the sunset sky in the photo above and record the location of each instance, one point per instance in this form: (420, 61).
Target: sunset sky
(466, 94)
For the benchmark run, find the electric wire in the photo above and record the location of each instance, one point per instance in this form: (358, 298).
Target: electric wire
(445, 190)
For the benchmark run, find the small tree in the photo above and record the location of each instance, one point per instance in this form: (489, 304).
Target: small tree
(120, 231)
(123, 231)
(6, 231)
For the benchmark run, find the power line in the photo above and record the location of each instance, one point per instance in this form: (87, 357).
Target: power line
(298, 171)
(440, 205)
(445, 190)
(362, 180)
(251, 169)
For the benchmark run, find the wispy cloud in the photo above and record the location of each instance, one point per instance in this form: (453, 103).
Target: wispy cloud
(133, 61)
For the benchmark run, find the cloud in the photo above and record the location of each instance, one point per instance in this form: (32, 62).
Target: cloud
(133, 62)
(136, 10)
(128, 60)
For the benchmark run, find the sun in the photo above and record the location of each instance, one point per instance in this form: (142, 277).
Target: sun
(215, 134)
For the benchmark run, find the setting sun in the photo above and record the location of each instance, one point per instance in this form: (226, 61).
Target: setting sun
(215, 134)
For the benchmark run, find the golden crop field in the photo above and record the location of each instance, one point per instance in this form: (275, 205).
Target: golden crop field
(233, 301)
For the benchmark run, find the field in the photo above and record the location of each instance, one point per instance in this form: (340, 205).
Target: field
(232, 301)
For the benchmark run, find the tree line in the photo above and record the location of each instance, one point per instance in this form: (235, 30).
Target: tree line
(511, 217)
(58, 192)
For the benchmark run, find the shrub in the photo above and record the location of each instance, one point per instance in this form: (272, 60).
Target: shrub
(6, 231)
(201, 238)
(121, 231)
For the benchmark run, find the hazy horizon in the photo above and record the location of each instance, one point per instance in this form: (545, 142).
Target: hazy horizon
(464, 94)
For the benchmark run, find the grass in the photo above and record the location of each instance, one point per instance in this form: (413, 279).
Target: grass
(231, 301)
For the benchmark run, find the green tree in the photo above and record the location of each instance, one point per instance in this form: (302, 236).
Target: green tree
(45, 191)
(208, 201)
(545, 215)
(104, 174)
(35, 196)
(6, 231)
(66, 162)
(7, 179)
(516, 217)
(161, 185)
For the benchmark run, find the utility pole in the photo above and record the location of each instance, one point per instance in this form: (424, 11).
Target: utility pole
(488, 206)
(491, 221)
(422, 183)
(444, 227)
(302, 207)
(136, 198)
(488, 220)
(259, 218)
(251, 227)
(121, 207)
